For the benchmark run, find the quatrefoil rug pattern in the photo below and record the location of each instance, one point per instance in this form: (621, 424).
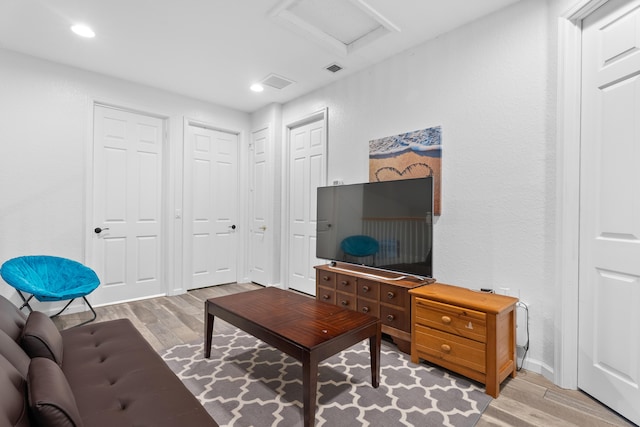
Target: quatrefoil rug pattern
(248, 383)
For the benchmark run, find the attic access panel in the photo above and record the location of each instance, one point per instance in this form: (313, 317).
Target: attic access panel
(343, 25)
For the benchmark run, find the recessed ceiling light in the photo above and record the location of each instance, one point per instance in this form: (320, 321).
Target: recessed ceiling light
(83, 31)
(257, 87)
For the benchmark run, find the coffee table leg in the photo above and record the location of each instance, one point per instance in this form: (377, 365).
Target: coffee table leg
(208, 330)
(309, 388)
(374, 349)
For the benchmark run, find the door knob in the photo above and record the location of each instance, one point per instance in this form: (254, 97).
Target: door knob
(233, 227)
(99, 230)
(263, 228)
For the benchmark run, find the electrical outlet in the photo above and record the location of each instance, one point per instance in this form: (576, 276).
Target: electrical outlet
(510, 292)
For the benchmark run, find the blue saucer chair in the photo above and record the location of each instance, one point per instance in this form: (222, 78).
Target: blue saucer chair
(359, 246)
(49, 278)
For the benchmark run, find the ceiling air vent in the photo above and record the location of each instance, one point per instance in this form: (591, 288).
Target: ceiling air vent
(276, 82)
(334, 68)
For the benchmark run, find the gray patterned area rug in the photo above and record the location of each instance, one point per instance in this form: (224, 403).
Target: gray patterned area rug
(248, 383)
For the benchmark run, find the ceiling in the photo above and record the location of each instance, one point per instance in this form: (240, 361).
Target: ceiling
(214, 50)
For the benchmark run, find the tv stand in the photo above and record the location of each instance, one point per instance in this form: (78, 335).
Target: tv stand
(382, 294)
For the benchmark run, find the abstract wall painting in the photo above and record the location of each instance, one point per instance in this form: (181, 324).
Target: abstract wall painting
(409, 155)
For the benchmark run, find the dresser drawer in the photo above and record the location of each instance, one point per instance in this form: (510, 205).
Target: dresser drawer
(346, 283)
(395, 295)
(452, 348)
(326, 279)
(395, 317)
(346, 301)
(455, 320)
(326, 295)
(368, 288)
(369, 307)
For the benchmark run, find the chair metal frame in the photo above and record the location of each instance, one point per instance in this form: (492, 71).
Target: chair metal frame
(26, 305)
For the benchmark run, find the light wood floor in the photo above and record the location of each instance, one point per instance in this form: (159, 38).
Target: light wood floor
(528, 400)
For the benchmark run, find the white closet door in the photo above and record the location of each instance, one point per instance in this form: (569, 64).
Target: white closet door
(307, 171)
(609, 318)
(127, 205)
(210, 207)
(261, 200)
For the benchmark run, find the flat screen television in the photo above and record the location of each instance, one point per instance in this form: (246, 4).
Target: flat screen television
(384, 225)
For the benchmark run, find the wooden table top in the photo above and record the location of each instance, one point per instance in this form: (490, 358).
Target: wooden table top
(295, 317)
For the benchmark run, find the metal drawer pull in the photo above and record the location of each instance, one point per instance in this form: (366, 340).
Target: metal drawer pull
(344, 282)
(390, 295)
(446, 319)
(365, 309)
(446, 348)
(325, 296)
(390, 317)
(345, 303)
(365, 289)
(325, 278)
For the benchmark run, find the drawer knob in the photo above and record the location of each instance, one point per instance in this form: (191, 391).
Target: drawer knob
(325, 278)
(390, 317)
(325, 296)
(365, 309)
(446, 348)
(365, 289)
(344, 302)
(391, 295)
(446, 320)
(344, 282)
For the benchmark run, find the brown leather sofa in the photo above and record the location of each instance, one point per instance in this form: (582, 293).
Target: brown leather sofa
(100, 374)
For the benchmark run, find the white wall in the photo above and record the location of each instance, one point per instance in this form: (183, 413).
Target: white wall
(45, 111)
(490, 85)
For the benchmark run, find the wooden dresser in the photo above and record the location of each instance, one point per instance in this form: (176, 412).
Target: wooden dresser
(466, 331)
(371, 291)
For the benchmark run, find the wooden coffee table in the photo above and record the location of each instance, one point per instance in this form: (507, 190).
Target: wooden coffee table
(305, 329)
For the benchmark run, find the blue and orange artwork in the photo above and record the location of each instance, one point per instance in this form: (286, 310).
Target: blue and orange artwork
(408, 155)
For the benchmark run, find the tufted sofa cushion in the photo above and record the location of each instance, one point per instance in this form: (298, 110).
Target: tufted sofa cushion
(41, 338)
(12, 320)
(119, 379)
(13, 405)
(11, 351)
(51, 401)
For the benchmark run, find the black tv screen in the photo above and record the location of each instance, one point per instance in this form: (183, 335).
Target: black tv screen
(386, 225)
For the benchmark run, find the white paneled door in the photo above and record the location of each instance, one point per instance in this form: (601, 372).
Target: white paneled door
(307, 171)
(261, 205)
(127, 205)
(210, 207)
(609, 318)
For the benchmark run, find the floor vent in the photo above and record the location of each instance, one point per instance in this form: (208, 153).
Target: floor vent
(334, 68)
